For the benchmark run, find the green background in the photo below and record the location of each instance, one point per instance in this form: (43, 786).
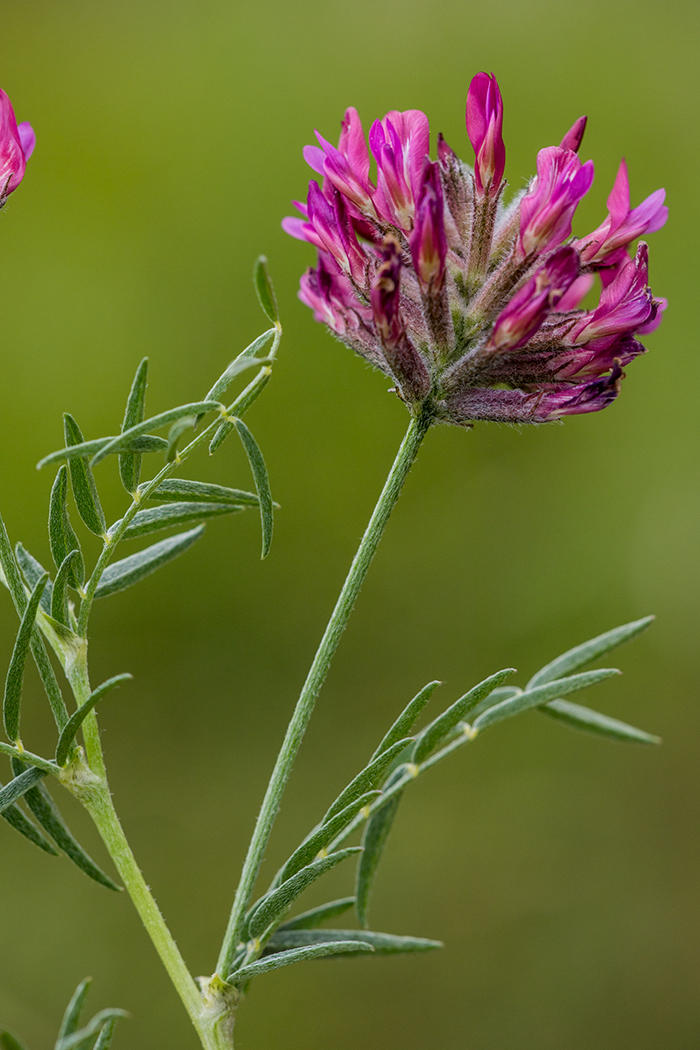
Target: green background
(561, 871)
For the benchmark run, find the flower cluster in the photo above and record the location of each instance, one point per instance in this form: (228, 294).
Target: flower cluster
(17, 143)
(468, 304)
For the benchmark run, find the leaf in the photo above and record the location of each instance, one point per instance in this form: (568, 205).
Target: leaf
(316, 916)
(173, 490)
(105, 1037)
(78, 717)
(383, 943)
(276, 903)
(71, 1018)
(85, 1038)
(266, 293)
(374, 839)
(46, 812)
(431, 736)
(155, 518)
(587, 651)
(175, 433)
(315, 951)
(85, 494)
(130, 462)
(62, 538)
(504, 693)
(262, 483)
(220, 436)
(19, 787)
(136, 567)
(59, 598)
(246, 359)
(594, 722)
(161, 420)
(13, 580)
(406, 720)
(145, 443)
(14, 681)
(324, 835)
(32, 570)
(541, 694)
(367, 778)
(8, 1042)
(17, 820)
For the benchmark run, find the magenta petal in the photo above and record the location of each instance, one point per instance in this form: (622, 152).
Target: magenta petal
(314, 157)
(573, 137)
(619, 200)
(27, 138)
(352, 143)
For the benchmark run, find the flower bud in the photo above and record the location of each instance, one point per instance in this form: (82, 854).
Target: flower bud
(16, 147)
(485, 130)
(428, 242)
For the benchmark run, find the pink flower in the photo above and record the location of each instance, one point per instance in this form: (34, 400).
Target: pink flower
(623, 224)
(529, 308)
(400, 143)
(16, 147)
(546, 212)
(485, 130)
(347, 167)
(427, 241)
(472, 308)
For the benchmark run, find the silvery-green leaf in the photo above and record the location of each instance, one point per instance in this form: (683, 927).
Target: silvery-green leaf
(590, 721)
(161, 420)
(105, 1037)
(84, 1038)
(17, 820)
(130, 462)
(587, 651)
(246, 359)
(541, 694)
(14, 681)
(251, 393)
(78, 717)
(383, 943)
(263, 286)
(44, 809)
(324, 835)
(175, 433)
(275, 904)
(367, 779)
(315, 916)
(406, 720)
(220, 435)
(62, 538)
(85, 494)
(504, 693)
(171, 514)
(59, 598)
(71, 1018)
(32, 570)
(262, 482)
(146, 443)
(433, 734)
(19, 786)
(136, 567)
(315, 951)
(174, 490)
(374, 839)
(8, 1041)
(11, 577)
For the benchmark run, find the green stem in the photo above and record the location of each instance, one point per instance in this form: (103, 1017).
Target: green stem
(417, 430)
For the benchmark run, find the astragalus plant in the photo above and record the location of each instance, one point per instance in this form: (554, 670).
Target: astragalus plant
(471, 306)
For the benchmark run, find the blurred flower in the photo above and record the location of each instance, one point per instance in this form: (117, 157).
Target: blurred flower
(16, 147)
(472, 306)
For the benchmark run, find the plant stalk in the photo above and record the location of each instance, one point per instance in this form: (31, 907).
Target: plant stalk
(417, 429)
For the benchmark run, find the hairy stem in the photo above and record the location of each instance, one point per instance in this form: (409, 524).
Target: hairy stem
(405, 457)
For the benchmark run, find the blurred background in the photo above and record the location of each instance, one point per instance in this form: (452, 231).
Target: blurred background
(561, 871)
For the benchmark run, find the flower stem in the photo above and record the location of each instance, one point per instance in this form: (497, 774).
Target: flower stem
(417, 429)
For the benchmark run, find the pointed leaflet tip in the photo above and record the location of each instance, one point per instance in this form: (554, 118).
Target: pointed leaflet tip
(264, 289)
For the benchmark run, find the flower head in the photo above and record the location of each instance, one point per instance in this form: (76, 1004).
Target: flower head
(471, 306)
(17, 143)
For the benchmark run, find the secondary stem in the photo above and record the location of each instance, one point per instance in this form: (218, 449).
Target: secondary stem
(417, 430)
